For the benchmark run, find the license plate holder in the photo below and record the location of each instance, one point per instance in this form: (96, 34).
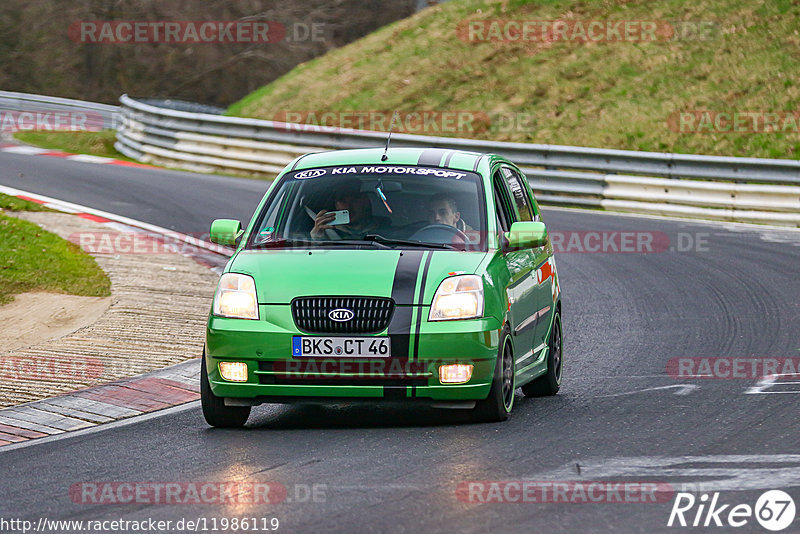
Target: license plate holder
(341, 347)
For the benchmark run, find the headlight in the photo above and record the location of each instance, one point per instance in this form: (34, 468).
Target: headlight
(458, 297)
(236, 297)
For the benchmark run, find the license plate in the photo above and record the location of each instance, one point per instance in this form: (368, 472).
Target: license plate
(345, 347)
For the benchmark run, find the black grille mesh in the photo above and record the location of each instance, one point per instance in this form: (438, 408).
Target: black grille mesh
(370, 314)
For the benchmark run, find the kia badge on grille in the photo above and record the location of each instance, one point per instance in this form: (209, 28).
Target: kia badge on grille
(340, 315)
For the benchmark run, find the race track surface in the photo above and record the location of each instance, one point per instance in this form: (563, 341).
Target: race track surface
(620, 416)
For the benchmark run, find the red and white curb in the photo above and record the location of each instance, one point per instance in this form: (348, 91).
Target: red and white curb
(126, 224)
(85, 408)
(27, 150)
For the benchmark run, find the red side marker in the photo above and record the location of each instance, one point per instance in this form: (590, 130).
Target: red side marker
(29, 199)
(95, 218)
(129, 164)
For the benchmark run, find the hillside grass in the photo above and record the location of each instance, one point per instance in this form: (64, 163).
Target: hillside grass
(10, 203)
(93, 143)
(610, 94)
(32, 259)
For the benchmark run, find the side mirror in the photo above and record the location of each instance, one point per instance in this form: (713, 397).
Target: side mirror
(526, 234)
(225, 232)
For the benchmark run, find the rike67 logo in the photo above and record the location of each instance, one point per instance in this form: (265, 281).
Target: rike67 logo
(774, 510)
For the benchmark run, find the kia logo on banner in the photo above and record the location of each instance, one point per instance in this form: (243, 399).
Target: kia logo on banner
(313, 173)
(340, 315)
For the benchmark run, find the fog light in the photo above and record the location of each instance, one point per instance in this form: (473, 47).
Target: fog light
(456, 373)
(233, 371)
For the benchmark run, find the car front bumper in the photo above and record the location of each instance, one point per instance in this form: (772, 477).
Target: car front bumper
(265, 345)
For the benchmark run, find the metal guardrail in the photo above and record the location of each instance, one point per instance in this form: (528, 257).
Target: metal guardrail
(707, 187)
(97, 116)
(175, 134)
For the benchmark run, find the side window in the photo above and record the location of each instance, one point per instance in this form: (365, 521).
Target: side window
(505, 215)
(519, 193)
(268, 226)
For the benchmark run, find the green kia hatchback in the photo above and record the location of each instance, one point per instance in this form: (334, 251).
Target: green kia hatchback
(408, 275)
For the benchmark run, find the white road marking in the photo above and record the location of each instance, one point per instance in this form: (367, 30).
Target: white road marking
(59, 207)
(723, 472)
(88, 158)
(24, 149)
(124, 228)
(682, 389)
(773, 381)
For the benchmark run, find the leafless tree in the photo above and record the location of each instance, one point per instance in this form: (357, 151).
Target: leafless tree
(37, 54)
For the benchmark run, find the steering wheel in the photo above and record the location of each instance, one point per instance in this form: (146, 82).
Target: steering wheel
(440, 233)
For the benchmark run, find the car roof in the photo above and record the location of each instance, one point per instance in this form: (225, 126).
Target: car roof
(433, 157)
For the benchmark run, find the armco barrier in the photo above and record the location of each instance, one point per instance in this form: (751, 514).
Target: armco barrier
(99, 116)
(708, 187)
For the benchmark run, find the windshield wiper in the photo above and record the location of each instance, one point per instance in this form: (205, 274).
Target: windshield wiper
(377, 238)
(361, 242)
(279, 243)
(299, 243)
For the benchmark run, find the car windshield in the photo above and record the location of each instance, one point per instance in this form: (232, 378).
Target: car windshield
(374, 206)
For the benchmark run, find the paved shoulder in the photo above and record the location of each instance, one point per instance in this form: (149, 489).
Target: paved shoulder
(160, 302)
(85, 408)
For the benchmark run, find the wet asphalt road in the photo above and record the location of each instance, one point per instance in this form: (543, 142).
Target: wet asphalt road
(619, 417)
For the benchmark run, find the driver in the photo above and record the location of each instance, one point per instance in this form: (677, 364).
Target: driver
(443, 209)
(348, 197)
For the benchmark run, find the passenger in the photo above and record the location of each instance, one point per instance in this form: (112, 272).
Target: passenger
(348, 197)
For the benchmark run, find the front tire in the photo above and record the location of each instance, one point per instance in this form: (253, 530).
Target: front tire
(214, 409)
(549, 383)
(497, 407)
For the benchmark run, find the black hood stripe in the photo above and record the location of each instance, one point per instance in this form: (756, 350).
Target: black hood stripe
(420, 302)
(432, 156)
(297, 162)
(420, 311)
(447, 159)
(405, 281)
(405, 277)
(477, 162)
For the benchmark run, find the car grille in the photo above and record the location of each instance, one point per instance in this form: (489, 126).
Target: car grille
(370, 314)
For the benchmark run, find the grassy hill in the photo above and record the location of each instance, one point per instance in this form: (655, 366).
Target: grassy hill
(743, 57)
(32, 259)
